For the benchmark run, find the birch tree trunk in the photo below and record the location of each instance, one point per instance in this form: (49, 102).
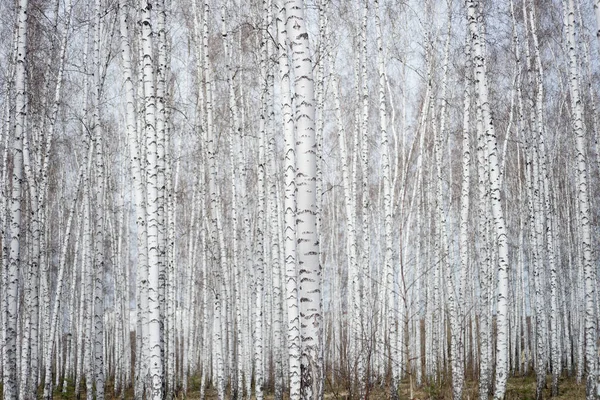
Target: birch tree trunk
(464, 218)
(235, 132)
(37, 191)
(138, 198)
(452, 304)
(139, 195)
(221, 296)
(351, 241)
(13, 266)
(259, 276)
(155, 375)
(59, 287)
(365, 328)
(597, 14)
(291, 274)
(390, 273)
(583, 215)
(99, 214)
(163, 181)
(548, 215)
(85, 300)
(87, 324)
(30, 303)
(496, 205)
(308, 238)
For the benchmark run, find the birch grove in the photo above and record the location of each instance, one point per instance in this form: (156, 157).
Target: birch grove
(299, 199)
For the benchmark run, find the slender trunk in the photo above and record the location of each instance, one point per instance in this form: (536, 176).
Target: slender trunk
(59, 287)
(98, 134)
(13, 263)
(291, 275)
(308, 244)
(496, 205)
(583, 216)
(154, 376)
(464, 211)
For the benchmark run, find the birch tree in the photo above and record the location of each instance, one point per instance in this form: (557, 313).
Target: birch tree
(464, 216)
(59, 288)
(138, 190)
(155, 374)
(583, 203)
(496, 203)
(99, 215)
(12, 263)
(192, 172)
(291, 275)
(309, 270)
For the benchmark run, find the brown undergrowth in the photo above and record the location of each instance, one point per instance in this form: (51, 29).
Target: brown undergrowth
(518, 388)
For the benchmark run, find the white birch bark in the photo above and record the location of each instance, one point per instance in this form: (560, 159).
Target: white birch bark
(7, 123)
(72, 310)
(260, 256)
(419, 358)
(187, 312)
(536, 216)
(518, 283)
(291, 274)
(138, 192)
(4, 194)
(497, 209)
(30, 289)
(11, 269)
(464, 212)
(322, 49)
(548, 214)
(248, 356)
(85, 286)
(452, 306)
(259, 276)
(163, 181)
(88, 355)
(277, 311)
(155, 375)
(597, 14)
(99, 183)
(590, 93)
(309, 269)
(59, 287)
(29, 353)
(120, 270)
(363, 282)
(484, 318)
(390, 273)
(221, 296)
(234, 131)
(134, 162)
(351, 241)
(583, 215)
(171, 187)
(205, 317)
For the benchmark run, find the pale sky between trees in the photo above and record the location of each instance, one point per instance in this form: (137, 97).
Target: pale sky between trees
(294, 197)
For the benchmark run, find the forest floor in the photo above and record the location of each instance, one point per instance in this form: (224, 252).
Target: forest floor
(518, 388)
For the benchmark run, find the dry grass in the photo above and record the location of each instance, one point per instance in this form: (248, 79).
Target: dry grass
(524, 388)
(518, 388)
